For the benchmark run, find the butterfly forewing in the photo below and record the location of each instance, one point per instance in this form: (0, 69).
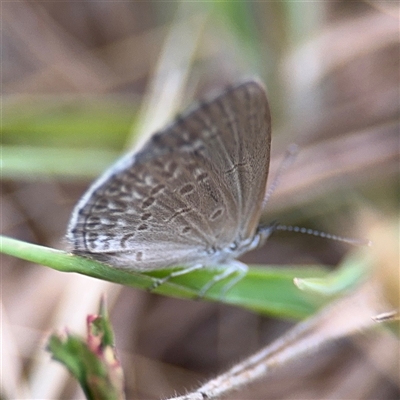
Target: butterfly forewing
(194, 188)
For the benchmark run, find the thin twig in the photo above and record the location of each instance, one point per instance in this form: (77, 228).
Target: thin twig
(342, 318)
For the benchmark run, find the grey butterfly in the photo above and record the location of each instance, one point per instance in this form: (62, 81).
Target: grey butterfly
(191, 197)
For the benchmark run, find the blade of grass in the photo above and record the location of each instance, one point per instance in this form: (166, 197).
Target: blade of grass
(267, 290)
(23, 162)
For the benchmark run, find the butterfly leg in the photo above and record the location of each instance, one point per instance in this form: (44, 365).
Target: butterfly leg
(158, 282)
(234, 267)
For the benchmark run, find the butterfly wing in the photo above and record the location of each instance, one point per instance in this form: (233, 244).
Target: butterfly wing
(192, 189)
(237, 131)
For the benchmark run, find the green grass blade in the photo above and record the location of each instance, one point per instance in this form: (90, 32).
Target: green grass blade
(27, 162)
(267, 290)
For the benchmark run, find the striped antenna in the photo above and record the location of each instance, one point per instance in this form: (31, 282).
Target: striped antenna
(313, 232)
(287, 161)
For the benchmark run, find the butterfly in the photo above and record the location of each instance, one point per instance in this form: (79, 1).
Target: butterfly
(191, 197)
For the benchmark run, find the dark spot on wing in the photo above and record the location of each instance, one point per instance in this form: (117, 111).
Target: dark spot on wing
(148, 202)
(186, 189)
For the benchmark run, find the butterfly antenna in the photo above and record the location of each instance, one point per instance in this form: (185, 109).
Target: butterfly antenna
(313, 232)
(287, 161)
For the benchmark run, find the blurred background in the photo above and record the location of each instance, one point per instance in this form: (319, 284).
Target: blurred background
(83, 82)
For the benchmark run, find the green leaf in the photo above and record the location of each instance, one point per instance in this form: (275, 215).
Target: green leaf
(353, 270)
(267, 290)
